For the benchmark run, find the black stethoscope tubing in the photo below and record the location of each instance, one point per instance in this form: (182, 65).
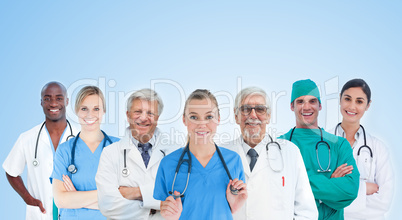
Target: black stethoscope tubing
(280, 150)
(360, 148)
(365, 142)
(125, 172)
(72, 168)
(189, 161)
(321, 170)
(35, 161)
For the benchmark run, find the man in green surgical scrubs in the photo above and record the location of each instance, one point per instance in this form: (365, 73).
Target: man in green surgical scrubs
(332, 171)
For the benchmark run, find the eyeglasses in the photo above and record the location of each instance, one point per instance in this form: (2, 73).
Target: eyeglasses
(259, 109)
(139, 112)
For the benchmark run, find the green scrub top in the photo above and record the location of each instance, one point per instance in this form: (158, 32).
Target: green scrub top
(55, 212)
(331, 194)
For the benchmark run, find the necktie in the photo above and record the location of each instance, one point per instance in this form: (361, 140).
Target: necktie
(253, 155)
(145, 155)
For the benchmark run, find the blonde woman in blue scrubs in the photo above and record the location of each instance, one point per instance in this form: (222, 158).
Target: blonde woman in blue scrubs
(74, 187)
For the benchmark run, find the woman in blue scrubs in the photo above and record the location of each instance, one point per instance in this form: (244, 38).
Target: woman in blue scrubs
(206, 192)
(74, 186)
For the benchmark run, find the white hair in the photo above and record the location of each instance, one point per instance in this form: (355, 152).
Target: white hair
(251, 91)
(147, 95)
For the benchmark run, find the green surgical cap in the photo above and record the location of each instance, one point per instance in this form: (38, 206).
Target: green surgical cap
(304, 87)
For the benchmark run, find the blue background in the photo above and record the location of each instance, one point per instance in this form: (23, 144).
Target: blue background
(178, 46)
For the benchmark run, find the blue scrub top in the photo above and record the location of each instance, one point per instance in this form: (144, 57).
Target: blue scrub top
(205, 197)
(84, 179)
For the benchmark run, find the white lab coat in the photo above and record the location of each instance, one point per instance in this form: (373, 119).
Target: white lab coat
(275, 195)
(371, 207)
(109, 178)
(38, 182)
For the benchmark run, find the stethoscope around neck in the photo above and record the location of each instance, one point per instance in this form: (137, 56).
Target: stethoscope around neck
(272, 142)
(186, 150)
(321, 170)
(35, 162)
(360, 148)
(125, 172)
(72, 168)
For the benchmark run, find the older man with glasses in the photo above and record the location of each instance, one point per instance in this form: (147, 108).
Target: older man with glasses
(277, 182)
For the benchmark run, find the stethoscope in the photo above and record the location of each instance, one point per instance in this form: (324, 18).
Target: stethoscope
(321, 170)
(189, 162)
(35, 162)
(72, 168)
(360, 148)
(125, 172)
(272, 142)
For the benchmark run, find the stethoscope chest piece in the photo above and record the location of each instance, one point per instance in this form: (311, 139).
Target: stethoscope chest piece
(35, 163)
(125, 172)
(72, 169)
(176, 196)
(233, 190)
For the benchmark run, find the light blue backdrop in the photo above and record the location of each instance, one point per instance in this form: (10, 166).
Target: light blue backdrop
(178, 46)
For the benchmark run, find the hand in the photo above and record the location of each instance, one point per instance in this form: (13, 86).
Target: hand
(342, 170)
(170, 208)
(36, 202)
(19, 187)
(68, 184)
(131, 193)
(371, 188)
(236, 201)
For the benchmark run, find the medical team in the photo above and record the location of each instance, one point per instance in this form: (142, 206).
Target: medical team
(308, 173)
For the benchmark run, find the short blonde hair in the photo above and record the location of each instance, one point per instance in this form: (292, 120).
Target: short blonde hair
(201, 94)
(87, 91)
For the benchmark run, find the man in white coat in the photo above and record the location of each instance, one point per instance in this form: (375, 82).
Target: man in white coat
(127, 169)
(277, 182)
(35, 149)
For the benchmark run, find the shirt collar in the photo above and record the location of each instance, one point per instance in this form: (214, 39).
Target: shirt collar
(341, 132)
(152, 141)
(358, 134)
(259, 147)
(130, 140)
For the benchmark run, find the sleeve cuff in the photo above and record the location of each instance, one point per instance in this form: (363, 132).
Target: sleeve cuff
(147, 197)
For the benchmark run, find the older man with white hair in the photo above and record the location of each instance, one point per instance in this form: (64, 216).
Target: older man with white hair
(277, 182)
(127, 169)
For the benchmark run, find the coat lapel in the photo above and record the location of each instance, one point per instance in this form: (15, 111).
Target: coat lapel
(135, 154)
(44, 139)
(239, 150)
(261, 161)
(156, 156)
(132, 152)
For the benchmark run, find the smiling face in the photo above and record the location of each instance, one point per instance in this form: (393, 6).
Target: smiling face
(54, 101)
(306, 110)
(143, 119)
(201, 117)
(253, 117)
(353, 104)
(90, 113)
